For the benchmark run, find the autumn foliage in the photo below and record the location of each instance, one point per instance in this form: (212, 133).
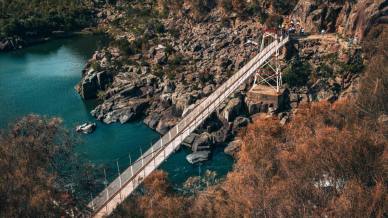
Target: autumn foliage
(31, 152)
(327, 162)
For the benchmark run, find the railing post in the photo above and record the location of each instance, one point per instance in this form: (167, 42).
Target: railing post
(92, 202)
(153, 155)
(142, 158)
(130, 163)
(106, 190)
(118, 171)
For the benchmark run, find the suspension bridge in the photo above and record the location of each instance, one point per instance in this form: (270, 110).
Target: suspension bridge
(118, 190)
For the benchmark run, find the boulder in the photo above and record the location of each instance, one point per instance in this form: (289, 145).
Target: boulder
(198, 156)
(233, 147)
(89, 87)
(164, 125)
(189, 140)
(169, 87)
(202, 142)
(240, 122)
(321, 90)
(152, 120)
(233, 109)
(161, 57)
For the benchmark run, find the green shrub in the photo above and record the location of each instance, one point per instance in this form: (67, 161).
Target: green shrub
(325, 70)
(20, 17)
(297, 73)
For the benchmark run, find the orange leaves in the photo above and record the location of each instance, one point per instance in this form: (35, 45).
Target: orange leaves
(326, 161)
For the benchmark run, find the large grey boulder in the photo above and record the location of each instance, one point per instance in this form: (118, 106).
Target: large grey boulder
(202, 142)
(198, 156)
(89, 86)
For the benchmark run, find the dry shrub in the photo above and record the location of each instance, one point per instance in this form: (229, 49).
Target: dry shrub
(373, 92)
(31, 152)
(327, 162)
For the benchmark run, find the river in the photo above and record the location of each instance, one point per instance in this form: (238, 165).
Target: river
(40, 79)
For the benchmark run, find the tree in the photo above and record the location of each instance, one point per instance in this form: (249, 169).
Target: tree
(32, 152)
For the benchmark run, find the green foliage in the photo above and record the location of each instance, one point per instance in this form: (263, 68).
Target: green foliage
(39, 18)
(174, 33)
(227, 5)
(156, 25)
(297, 73)
(325, 70)
(201, 7)
(354, 65)
(169, 49)
(205, 77)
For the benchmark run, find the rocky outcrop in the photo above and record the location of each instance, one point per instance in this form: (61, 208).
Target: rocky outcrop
(11, 43)
(356, 19)
(233, 147)
(350, 19)
(202, 142)
(124, 111)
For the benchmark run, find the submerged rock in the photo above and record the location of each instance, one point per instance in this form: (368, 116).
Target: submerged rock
(86, 128)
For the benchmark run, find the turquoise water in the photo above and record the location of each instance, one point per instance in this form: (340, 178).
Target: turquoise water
(41, 79)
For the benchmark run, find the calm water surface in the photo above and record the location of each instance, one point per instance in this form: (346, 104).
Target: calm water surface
(41, 79)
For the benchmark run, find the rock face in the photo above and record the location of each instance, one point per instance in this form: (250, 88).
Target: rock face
(125, 111)
(350, 19)
(93, 82)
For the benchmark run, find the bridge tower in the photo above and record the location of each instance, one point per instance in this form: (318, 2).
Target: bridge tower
(267, 93)
(269, 73)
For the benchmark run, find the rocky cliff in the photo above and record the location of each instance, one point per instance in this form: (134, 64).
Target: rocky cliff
(347, 18)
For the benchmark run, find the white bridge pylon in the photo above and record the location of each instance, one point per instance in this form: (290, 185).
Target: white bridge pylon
(118, 190)
(269, 73)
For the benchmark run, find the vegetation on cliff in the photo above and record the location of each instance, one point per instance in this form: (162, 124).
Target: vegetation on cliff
(29, 19)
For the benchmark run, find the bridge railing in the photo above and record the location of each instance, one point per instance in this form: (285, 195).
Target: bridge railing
(121, 187)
